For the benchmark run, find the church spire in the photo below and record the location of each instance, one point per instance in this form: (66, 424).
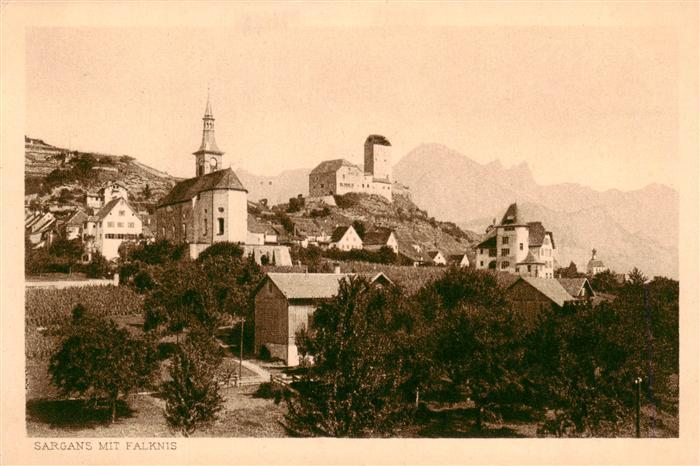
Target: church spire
(208, 154)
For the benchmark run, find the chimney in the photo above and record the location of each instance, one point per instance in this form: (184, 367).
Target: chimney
(336, 267)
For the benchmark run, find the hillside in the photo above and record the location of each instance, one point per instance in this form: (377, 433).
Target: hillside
(60, 176)
(634, 228)
(276, 189)
(413, 226)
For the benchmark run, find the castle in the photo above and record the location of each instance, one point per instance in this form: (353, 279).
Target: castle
(339, 176)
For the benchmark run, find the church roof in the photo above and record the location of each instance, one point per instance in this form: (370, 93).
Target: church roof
(595, 263)
(187, 189)
(512, 216)
(331, 166)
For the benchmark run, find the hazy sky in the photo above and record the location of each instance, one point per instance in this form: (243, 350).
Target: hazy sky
(578, 104)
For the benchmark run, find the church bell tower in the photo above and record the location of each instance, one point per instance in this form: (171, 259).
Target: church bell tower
(208, 156)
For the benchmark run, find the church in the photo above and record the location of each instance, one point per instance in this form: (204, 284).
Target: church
(212, 207)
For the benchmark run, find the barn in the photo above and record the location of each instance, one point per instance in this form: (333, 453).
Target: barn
(283, 304)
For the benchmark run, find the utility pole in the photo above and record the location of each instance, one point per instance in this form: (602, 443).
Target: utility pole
(240, 361)
(638, 401)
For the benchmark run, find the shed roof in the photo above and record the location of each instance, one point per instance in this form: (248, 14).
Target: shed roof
(549, 287)
(187, 189)
(313, 285)
(573, 286)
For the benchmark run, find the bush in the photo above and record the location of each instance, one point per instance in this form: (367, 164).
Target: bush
(192, 396)
(346, 201)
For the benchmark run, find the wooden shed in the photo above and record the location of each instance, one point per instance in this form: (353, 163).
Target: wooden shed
(285, 301)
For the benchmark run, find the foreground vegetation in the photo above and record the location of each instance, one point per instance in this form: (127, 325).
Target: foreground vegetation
(444, 356)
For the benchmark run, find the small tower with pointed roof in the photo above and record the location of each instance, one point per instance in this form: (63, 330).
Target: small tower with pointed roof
(208, 156)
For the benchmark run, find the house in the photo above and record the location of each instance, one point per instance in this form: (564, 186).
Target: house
(40, 228)
(89, 227)
(260, 233)
(117, 222)
(458, 260)
(284, 304)
(345, 239)
(412, 253)
(517, 246)
(340, 176)
(106, 194)
(379, 237)
(73, 226)
(437, 258)
(579, 288)
(532, 295)
(595, 266)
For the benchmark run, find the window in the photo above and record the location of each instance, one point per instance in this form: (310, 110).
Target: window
(521, 246)
(110, 224)
(221, 209)
(529, 268)
(517, 269)
(505, 264)
(120, 224)
(504, 240)
(121, 213)
(481, 264)
(510, 229)
(505, 252)
(492, 253)
(131, 224)
(220, 230)
(205, 227)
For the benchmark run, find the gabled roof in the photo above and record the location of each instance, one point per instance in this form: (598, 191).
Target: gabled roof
(187, 189)
(530, 259)
(313, 285)
(254, 226)
(573, 286)
(107, 208)
(537, 233)
(331, 166)
(434, 254)
(77, 218)
(377, 236)
(488, 243)
(339, 232)
(549, 287)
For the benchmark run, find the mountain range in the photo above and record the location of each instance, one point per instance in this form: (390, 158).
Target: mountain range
(633, 228)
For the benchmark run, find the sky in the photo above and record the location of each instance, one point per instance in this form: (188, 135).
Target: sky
(596, 106)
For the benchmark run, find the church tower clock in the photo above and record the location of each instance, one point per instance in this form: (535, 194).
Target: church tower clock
(208, 156)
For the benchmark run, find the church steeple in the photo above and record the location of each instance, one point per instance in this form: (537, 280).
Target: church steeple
(208, 156)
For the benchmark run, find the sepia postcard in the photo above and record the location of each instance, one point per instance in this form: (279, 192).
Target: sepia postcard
(349, 233)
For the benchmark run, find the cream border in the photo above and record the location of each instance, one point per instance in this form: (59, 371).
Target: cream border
(17, 448)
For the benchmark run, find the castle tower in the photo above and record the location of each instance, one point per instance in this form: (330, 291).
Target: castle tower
(378, 157)
(208, 156)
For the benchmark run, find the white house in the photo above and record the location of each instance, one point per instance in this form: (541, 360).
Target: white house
(459, 260)
(345, 239)
(518, 247)
(73, 226)
(117, 222)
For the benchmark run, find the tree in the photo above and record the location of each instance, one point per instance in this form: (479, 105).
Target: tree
(146, 193)
(96, 359)
(571, 271)
(636, 277)
(295, 204)
(353, 389)
(477, 339)
(605, 282)
(215, 289)
(192, 396)
(387, 255)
